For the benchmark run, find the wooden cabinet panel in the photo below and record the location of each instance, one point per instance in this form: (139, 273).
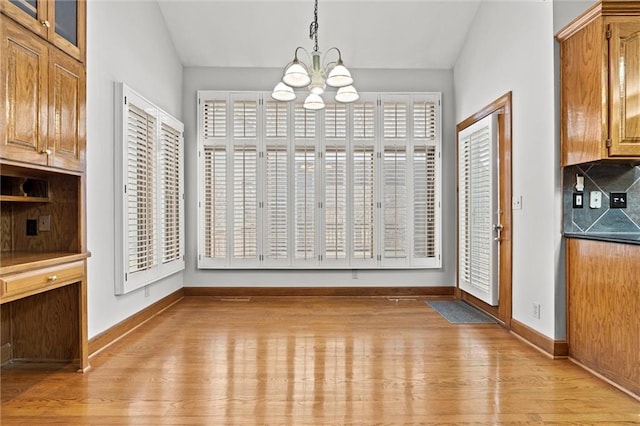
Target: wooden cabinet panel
(45, 92)
(624, 63)
(25, 101)
(600, 84)
(67, 110)
(603, 295)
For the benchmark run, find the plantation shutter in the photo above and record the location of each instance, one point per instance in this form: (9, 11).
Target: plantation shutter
(335, 182)
(276, 124)
(335, 202)
(351, 186)
(394, 121)
(363, 182)
(277, 207)
(363, 203)
(335, 122)
(215, 202)
(394, 178)
(424, 203)
(477, 197)
(149, 185)
(305, 206)
(171, 192)
(214, 119)
(140, 188)
(394, 204)
(245, 179)
(425, 122)
(304, 164)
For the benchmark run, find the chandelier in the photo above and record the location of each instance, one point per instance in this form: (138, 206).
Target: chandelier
(316, 75)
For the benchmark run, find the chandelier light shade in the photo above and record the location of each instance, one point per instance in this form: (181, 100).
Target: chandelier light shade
(316, 75)
(282, 92)
(347, 94)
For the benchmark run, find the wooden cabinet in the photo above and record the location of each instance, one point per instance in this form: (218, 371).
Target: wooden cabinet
(599, 84)
(43, 288)
(43, 267)
(60, 22)
(603, 295)
(44, 107)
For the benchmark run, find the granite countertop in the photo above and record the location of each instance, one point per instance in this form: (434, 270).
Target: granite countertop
(625, 238)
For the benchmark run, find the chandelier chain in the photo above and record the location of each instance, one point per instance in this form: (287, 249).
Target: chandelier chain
(313, 28)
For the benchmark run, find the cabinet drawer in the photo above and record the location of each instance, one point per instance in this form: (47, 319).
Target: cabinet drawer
(40, 279)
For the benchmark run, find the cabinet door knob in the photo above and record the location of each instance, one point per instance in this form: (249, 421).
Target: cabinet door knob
(53, 278)
(45, 23)
(46, 151)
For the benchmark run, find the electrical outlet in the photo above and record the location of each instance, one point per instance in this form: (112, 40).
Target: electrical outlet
(354, 274)
(595, 199)
(516, 202)
(44, 222)
(32, 227)
(147, 291)
(618, 200)
(535, 310)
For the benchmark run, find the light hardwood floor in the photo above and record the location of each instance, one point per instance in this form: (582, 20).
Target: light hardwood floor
(313, 361)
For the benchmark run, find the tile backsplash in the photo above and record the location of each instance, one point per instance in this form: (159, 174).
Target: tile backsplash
(606, 178)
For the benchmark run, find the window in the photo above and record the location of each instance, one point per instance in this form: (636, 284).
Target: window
(149, 192)
(351, 186)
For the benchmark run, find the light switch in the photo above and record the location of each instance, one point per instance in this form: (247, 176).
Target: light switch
(595, 199)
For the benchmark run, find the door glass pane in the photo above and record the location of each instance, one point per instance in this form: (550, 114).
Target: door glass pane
(29, 6)
(67, 20)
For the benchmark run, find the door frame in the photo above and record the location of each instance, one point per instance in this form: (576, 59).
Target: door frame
(501, 106)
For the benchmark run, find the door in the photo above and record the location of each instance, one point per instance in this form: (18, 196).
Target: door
(479, 214)
(66, 112)
(624, 86)
(24, 94)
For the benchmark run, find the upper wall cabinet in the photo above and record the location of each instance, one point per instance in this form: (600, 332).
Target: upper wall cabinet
(61, 22)
(44, 102)
(600, 83)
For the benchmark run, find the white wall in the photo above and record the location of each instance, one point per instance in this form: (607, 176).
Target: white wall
(366, 80)
(510, 47)
(128, 42)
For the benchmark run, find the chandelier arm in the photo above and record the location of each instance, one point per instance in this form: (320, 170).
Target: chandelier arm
(306, 52)
(329, 65)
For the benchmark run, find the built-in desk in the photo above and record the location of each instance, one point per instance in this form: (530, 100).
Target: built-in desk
(43, 308)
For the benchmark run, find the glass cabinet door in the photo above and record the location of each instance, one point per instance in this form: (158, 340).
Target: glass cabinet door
(28, 6)
(66, 20)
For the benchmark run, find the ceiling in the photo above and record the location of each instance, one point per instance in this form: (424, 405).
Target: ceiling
(383, 34)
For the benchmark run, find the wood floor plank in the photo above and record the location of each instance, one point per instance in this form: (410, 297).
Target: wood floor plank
(313, 361)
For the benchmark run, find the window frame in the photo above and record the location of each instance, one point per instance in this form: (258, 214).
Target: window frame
(320, 144)
(127, 280)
